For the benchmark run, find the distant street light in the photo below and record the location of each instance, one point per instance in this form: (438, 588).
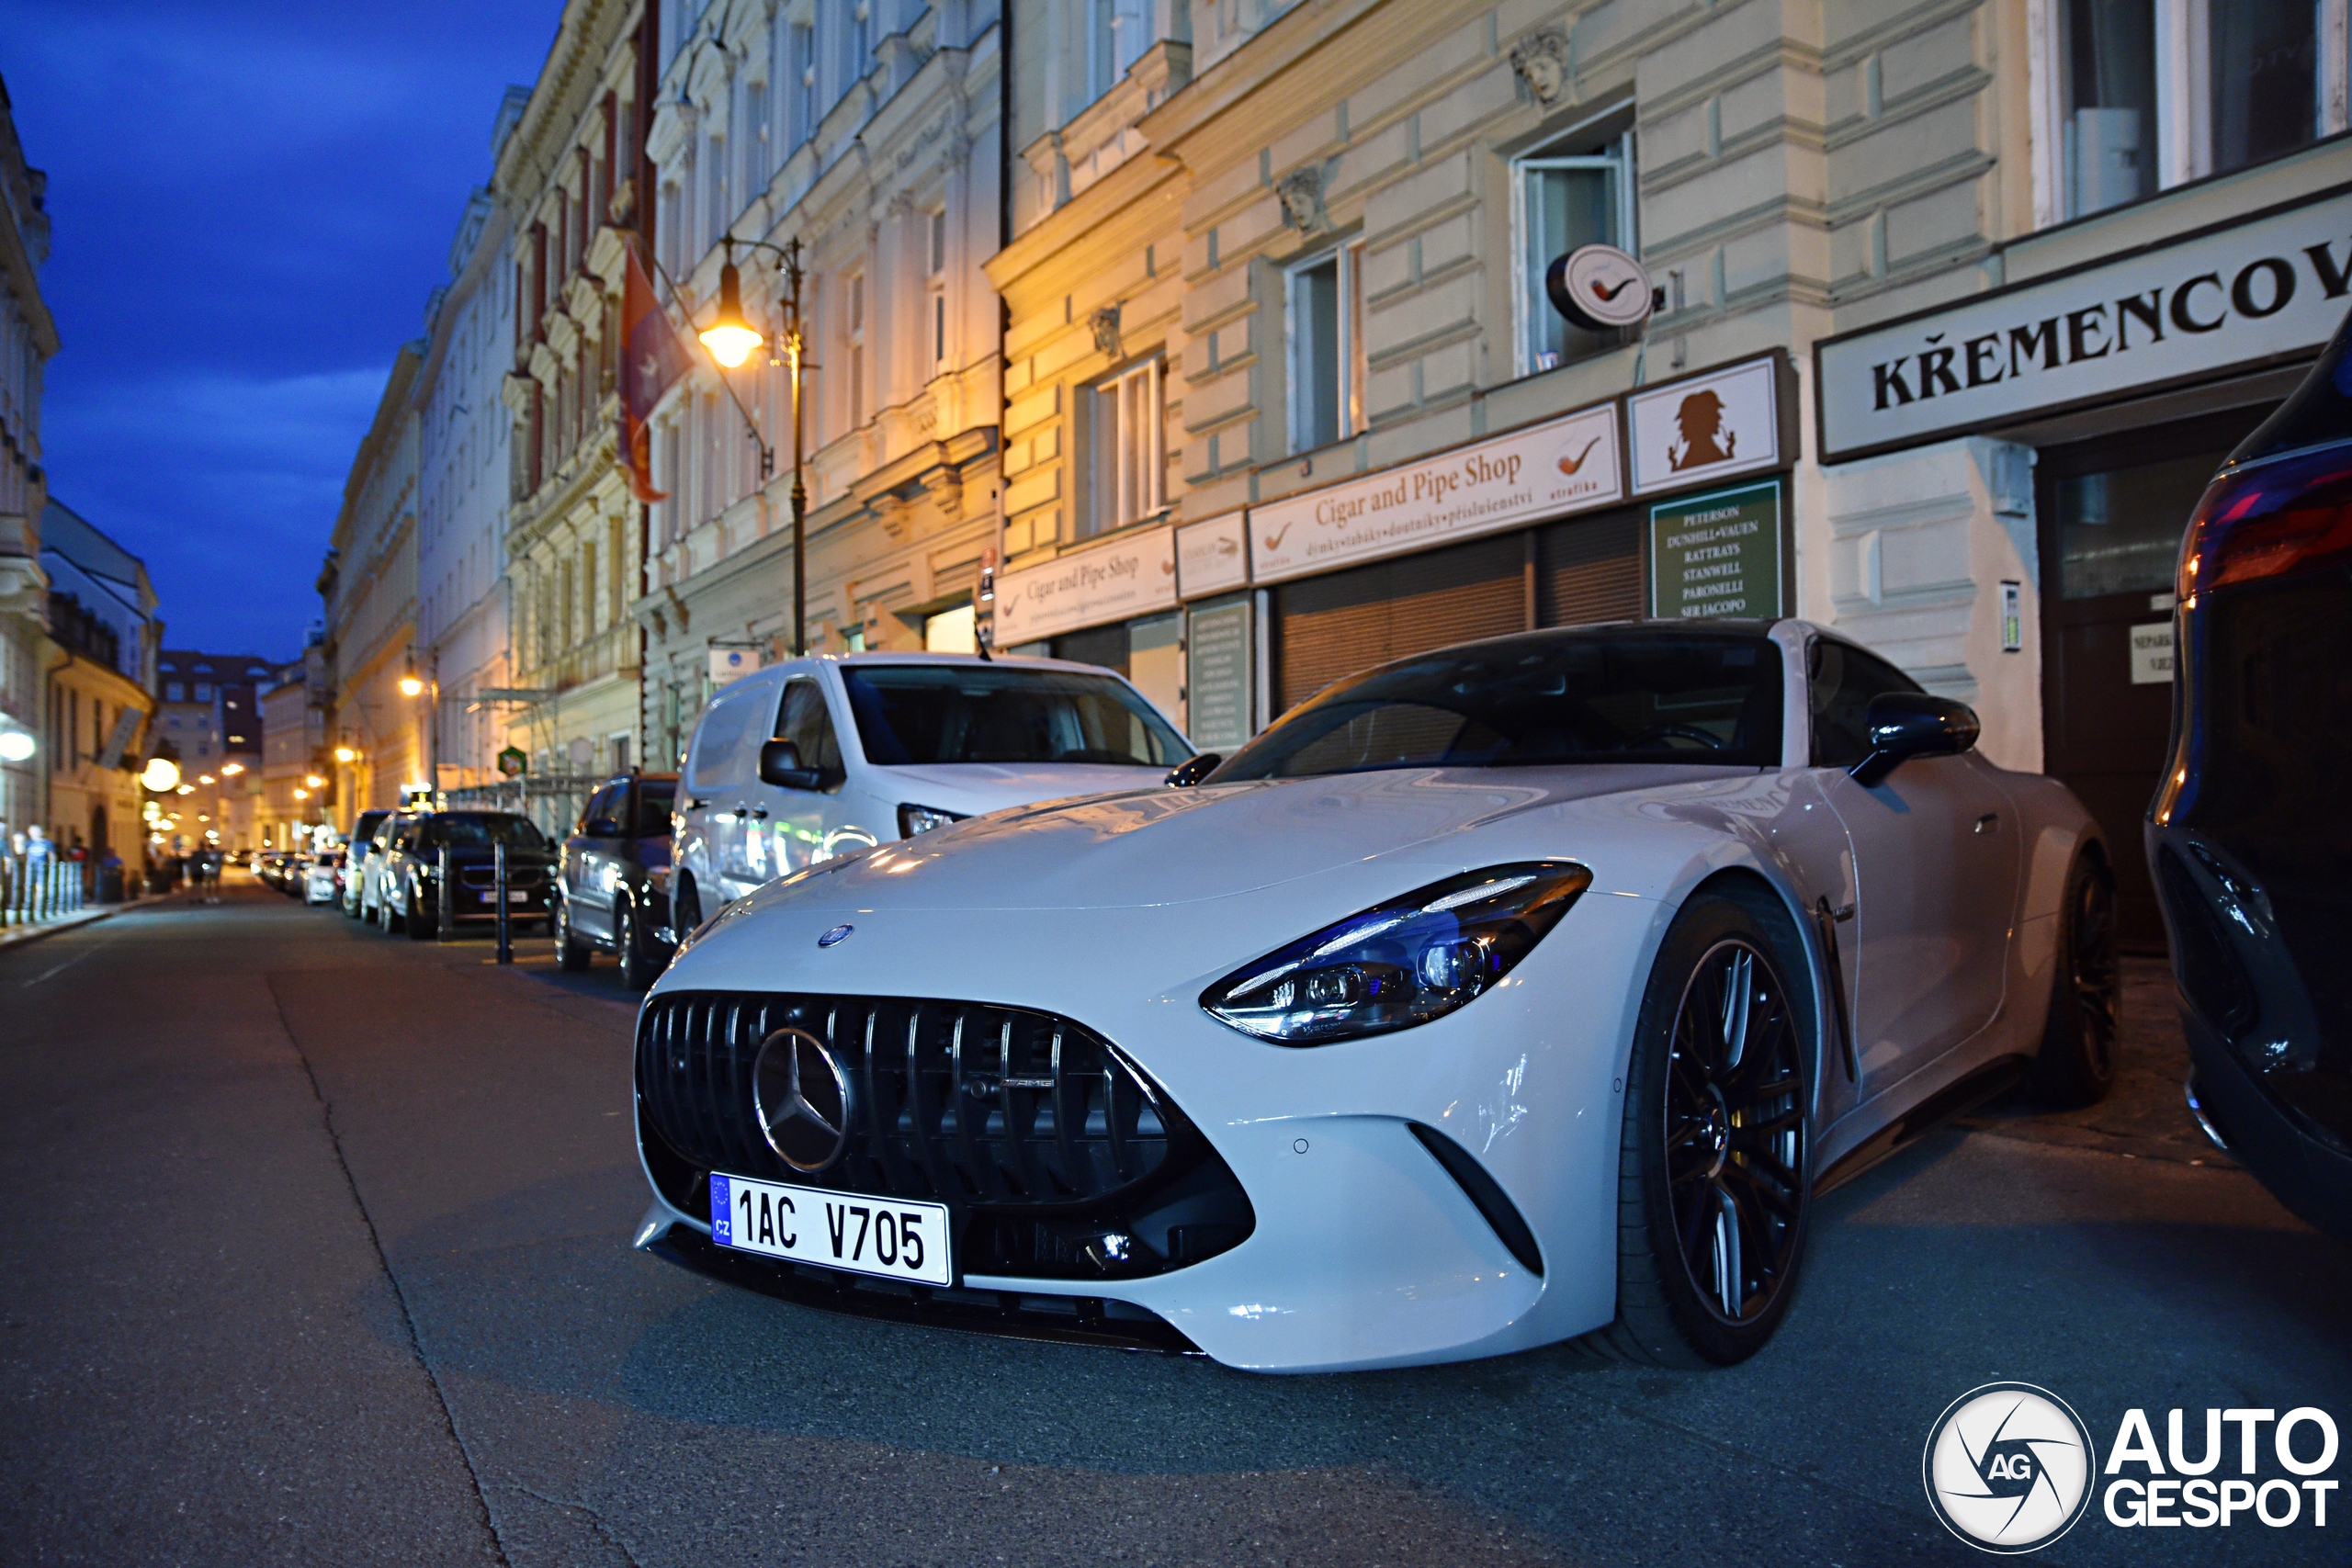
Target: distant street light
(160, 775)
(231, 770)
(410, 686)
(345, 754)
(314, 782)
(730, 337)
(206, 778)
(301, 794)
(16, 745)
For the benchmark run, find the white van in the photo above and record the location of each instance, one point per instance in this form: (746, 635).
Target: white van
(863, 748)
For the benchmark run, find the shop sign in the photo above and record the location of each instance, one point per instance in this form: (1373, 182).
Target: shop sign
(2152, 654)
(1213, 555)
(512, 762)
(731, 664)
(1565, 465)
(1133, 575)
(1218, 678)
(2268, 287)
(1717, 554)
(1706, 427)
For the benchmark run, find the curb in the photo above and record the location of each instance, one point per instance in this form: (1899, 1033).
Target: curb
(17, 936)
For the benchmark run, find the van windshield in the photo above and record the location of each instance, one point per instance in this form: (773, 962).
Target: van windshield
(910, 714)
(1537, 700)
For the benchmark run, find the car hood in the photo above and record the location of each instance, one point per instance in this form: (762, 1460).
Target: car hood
(973, 788)
(1148, 848)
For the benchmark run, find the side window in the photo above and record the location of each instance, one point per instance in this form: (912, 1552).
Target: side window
(606, 802)
(1844, 679)
(726, 741)
(804, 721)
(1568, 195)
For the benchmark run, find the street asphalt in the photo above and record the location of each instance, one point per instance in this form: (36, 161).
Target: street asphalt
(315, 1250)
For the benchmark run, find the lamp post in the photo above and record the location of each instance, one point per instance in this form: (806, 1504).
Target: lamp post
(730, 340)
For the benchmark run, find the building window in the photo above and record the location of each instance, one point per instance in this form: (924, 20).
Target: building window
(173, 692)
(855, 328)
(204, 690)
(1323, 323)
(804, 82)
(935, 232)
(2149, 94)
(857, 44)
(1565, 196)
(1126, 435)
(1117, 32)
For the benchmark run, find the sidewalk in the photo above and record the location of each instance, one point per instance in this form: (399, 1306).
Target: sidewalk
(12, 936)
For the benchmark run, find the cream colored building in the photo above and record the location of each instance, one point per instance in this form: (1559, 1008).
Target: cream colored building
(376, 731)
(869, 135)
(1282, 359)
(28, 339)
(568, 174)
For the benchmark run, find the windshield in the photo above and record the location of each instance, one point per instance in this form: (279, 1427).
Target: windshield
(973, 713)
(472, 831)
(1543, 698)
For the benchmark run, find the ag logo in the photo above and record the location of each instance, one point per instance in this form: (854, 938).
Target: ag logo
(2008, 1467)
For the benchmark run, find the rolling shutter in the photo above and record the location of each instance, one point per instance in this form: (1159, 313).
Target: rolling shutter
(1332, 626)
(1589, 569)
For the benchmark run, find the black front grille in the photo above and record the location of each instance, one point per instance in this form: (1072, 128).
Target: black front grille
(1055, 1155)
(486, 876)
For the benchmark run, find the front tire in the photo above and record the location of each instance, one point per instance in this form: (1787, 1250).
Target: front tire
(1715, 1166)
(420, 927)
(570, 956)
(2076, 1066)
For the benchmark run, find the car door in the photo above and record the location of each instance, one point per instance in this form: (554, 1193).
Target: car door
(803, 825)
(589, 867)
(1935, 848)
(723, 768)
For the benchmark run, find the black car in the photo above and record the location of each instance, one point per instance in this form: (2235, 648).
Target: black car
(612, 892)
(2247, 836)
(409, 897)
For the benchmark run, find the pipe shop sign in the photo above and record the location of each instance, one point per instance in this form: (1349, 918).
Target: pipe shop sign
(2261, 291)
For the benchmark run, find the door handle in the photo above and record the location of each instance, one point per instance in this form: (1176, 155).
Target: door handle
(1988, 823)
(752, 813)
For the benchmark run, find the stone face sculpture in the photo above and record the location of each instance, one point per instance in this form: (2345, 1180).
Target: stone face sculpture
(1105, 323)
(1301, 191)
(1542, 61)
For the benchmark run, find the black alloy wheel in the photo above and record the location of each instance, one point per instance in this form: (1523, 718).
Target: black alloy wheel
(2076, 1066)
(1715, 1173)
(685, 916)
(421, 926)
(570, 955)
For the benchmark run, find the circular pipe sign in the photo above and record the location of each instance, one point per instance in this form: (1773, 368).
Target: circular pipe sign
(1599, 288)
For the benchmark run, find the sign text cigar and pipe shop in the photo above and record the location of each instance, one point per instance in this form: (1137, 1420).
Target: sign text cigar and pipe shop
(2270, 289)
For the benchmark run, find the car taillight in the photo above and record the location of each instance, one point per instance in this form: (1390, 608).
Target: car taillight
(2279, 518)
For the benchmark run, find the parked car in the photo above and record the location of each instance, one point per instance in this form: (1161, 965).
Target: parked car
(811, 759)
(2246, 839)
(270, 866)
(408, 889)
(322, 882)
(611, 892)
(360, 857)
(1514, 992)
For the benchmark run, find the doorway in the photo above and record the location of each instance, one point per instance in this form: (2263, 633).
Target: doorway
(2112, 513)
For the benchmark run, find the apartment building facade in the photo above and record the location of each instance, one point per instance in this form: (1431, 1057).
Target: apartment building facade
(868, 136)
(1287, 393)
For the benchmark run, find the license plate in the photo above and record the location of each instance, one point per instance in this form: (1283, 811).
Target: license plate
(517, 895)
(894, 1238)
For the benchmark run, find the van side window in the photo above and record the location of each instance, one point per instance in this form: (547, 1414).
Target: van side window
(606, 802)
(1844, 679)
(726, 741)
(804, 721)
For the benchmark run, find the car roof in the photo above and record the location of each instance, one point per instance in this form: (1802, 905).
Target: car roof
(1015, 660)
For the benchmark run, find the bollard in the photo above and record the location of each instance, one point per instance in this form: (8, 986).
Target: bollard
(498, 881)
(447, 923)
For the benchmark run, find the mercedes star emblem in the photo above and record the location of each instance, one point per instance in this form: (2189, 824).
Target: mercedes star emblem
(800, 1093)
(834, 935)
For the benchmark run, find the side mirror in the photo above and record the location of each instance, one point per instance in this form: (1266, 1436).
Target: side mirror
(780, 765)
(1193, 770)
(604, 828)
(1904, 725)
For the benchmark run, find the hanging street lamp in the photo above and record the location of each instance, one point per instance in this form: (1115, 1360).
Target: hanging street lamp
(732, 339)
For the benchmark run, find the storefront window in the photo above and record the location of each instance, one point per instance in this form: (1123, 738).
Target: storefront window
(2118, 532)
(1568, 196)
(2110, 130)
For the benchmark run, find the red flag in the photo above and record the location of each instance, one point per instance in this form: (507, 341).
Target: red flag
(651, 361)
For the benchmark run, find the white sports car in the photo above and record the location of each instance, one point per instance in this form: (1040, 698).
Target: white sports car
(1526, 990)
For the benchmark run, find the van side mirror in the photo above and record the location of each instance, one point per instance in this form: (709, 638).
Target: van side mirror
(1193, 770)
(1904, 725)
(604, 828)
(780, 765)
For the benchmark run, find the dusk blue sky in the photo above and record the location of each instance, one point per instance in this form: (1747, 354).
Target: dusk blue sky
(250, 204)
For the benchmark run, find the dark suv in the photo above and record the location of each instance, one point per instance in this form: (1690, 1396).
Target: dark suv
(410, 898)
(613, 891)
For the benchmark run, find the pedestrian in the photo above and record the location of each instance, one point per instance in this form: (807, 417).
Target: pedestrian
(37, 847)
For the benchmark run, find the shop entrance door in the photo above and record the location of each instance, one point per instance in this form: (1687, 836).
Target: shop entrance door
(2113, 512)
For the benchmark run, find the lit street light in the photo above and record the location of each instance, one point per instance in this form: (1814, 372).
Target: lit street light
(730, 340)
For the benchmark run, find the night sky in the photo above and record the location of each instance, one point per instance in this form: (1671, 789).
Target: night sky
(249, 204)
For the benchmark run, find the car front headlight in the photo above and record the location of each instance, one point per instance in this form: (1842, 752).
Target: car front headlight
(1410, 960)
(913, 819)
